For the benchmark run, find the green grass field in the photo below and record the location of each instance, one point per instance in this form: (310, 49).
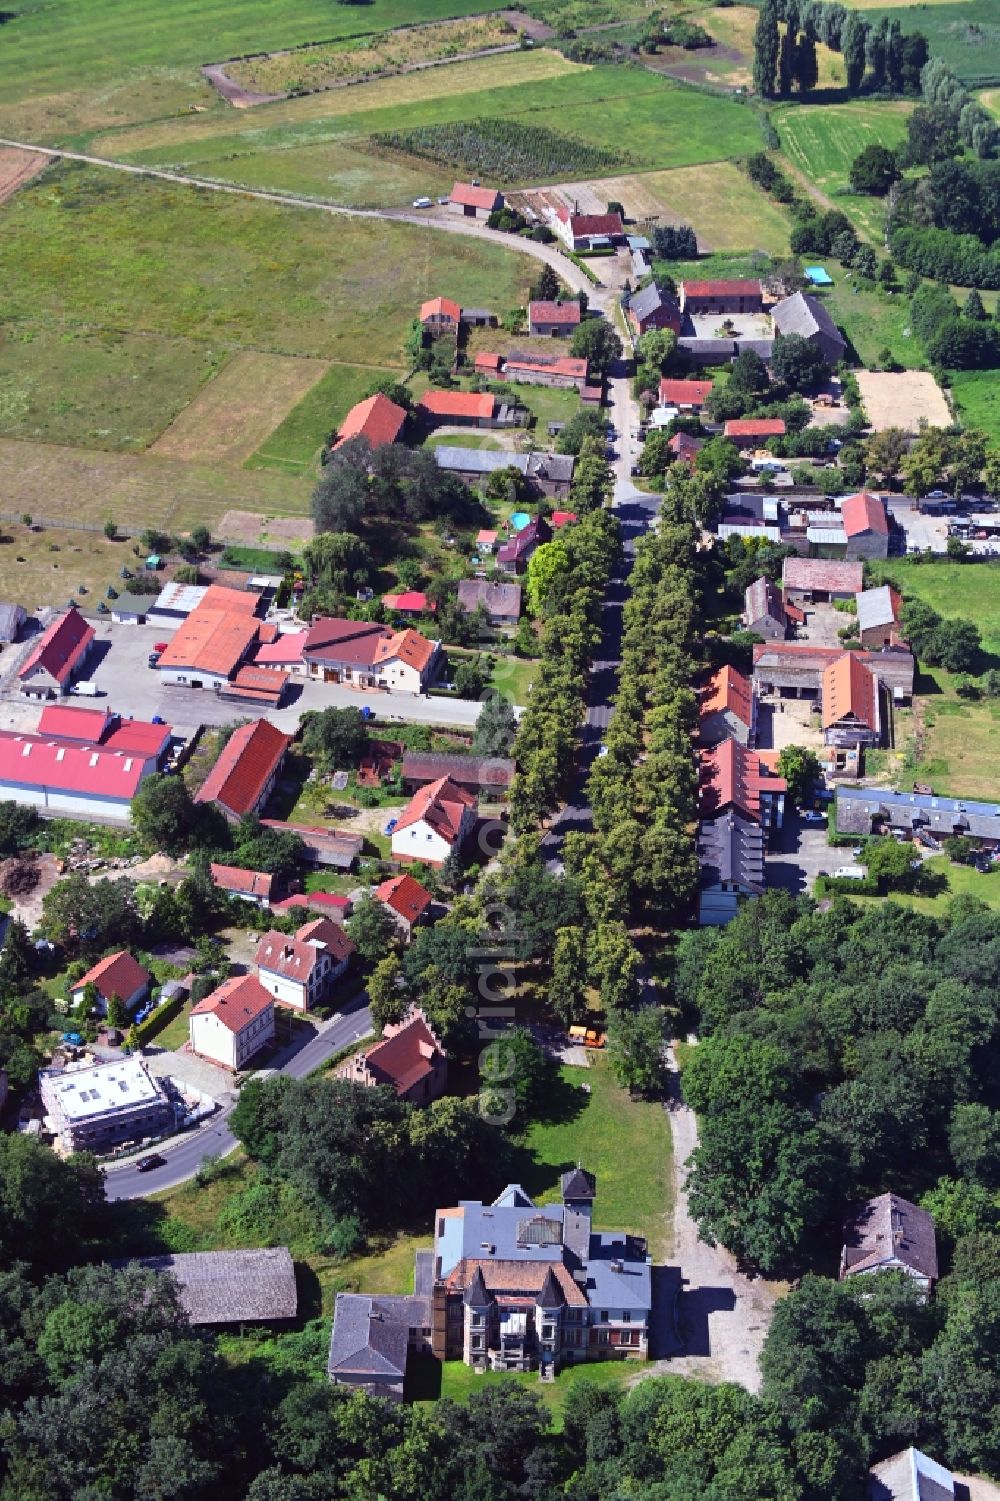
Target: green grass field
(969, 590)
(871, 318)
(104, 389)
(624, 1142)
(67, 67)
(823, 140)
(977, 395)
(294, 445)
(656, 122)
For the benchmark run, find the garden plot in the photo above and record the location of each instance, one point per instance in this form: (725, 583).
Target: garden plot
(233, 414)
(253, 529)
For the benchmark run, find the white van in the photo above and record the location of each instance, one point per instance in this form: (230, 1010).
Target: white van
(86, 689)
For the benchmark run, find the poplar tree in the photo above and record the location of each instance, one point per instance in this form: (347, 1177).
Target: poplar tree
(765, 49)
(786, 56)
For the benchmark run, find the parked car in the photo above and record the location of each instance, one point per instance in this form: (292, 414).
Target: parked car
(422, 203)
(811, 816)
(149, 1162)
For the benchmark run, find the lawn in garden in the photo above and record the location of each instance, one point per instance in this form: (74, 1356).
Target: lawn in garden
(623, 1141)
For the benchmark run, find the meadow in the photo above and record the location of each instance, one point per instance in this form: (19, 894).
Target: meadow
(294, 444)
(66, 68)
(969, 590)
(720, 201)
(823, 140)
(298, 143)
(977, 396)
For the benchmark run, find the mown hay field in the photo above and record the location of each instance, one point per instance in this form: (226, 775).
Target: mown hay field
(233, 414)
(294, 444)
(823, 140)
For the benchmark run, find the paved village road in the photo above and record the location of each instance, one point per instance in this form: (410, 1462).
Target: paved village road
(185, 1154)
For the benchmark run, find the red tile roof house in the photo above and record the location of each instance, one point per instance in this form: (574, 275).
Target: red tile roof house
(370, 656)
(721, 297)
(209, 647)
(584, 231)
(80, 780)
(489, 364)
(728, 709)
(409, 1059)
(866, 525)
(436, 821)
(300, 971)
(474, 202)
(734, 779)
(460, 409)
(57, 657)
(406, 901)
(326, 903)
(232, 1024)
(440, 316)
(243, 778)
(685, 395)
(752, 432)
(117, 974)
(377, 419)
(851, 709)
(283, 654)
(252, 885)
(557, 320)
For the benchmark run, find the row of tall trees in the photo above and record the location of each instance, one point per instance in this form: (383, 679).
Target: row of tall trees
(877, 55)
(570, 610)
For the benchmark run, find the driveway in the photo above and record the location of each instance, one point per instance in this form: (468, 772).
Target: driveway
(716, 1329)
(801, 853)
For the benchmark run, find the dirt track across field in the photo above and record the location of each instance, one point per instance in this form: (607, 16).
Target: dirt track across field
(17, 168)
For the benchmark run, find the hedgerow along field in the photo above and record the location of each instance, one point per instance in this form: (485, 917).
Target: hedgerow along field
(307, 68)
(506, 150)
(609, 110)
(68, 67)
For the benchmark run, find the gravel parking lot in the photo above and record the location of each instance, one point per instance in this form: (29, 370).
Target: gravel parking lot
(801, 854)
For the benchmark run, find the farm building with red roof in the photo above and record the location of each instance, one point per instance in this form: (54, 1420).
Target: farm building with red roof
(585, 231)
(243, 778)
(57, 657)
(741, 296)
(851, 711)
(464, 408)
(409, 1058)
(750, 432)
(440, 315)
(79, 780)
(565, 372)
(473, 201)
(866, 526)
(727, 708)
(376, 419)
(685, 395)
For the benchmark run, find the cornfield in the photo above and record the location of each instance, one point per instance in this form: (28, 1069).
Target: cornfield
(503, 150)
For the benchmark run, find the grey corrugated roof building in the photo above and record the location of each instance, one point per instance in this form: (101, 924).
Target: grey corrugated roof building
(863, 810)
(875, 608)
(806, 316)
(730, 852)
(231, 1287)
